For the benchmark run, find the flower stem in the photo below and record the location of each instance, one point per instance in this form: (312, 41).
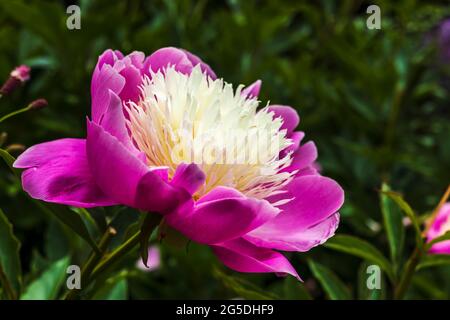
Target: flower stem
(9, 115)
(408, 275)
(116, 254)
(93, 259)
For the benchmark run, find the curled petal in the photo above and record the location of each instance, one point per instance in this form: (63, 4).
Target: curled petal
(155, 194)
(189, 177)
(243, 256)
(58, 171)
(307, 220)
(223, 214)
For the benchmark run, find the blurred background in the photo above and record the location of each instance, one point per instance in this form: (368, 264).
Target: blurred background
(376, 103)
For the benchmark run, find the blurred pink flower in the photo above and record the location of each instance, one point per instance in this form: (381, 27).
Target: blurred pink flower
(145, 107)
(439, 226)
(17, 77)
(153, 260)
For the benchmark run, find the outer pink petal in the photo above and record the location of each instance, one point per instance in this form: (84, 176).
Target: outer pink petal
(113, 121)
(115, 169)
(252, 91)
(58, 172)
(303, 157)
(223, 214)
(106, 79)
(132, 72)
(307, 220)
(243, 256)
(182, 60)
(289, 116)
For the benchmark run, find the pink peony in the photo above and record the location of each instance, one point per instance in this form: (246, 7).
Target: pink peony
(146, 112)
(439, 226)
(153, 260)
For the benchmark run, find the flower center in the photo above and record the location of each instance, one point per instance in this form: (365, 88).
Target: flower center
(194, 119)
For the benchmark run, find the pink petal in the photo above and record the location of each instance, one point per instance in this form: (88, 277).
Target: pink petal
(58, 172)
(223, 214)
(182, 60)
(107, 79)
(252, 91)
(307, 220)
(288, 115)
(156, 195)
(303, 157)
(115, 169)
(189, 177)
(243, 256)
(113, 122)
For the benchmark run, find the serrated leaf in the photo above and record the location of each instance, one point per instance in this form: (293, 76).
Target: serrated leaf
(334, 288)
(47, 286)
(393, 224)
(10, 267)
(360, 248)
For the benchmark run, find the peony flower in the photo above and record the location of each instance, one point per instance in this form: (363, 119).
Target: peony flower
(149, 116)
(153, 260)
(439, 226)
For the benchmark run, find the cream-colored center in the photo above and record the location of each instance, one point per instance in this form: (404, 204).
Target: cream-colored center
(194, 119)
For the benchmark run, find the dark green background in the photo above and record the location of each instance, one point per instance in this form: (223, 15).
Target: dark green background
(375, 102)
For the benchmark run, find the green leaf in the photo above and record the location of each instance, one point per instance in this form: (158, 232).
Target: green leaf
(150, 222)
(294, 290)
(10, 269)
(331, 284)
(360, 248)
(47, 286)
(393, 224)
(71, 219)
(9, 160)
(115, 288)
(433, 260)
(242, 288)
(406, 208)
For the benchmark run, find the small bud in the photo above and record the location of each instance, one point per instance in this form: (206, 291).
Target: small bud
(17, 77)
(15, 147)
(38, 104)
(21, 73)
(3, 138)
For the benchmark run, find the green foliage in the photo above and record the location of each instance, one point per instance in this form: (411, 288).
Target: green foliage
(375, 102)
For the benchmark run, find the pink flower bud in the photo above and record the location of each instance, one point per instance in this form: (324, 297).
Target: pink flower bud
(38, 104)
(18, 76)
(21, 73)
